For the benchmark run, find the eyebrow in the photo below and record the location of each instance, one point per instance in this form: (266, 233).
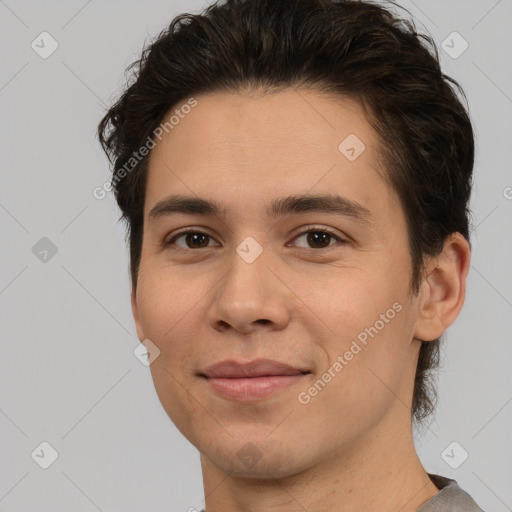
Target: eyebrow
(280, 207)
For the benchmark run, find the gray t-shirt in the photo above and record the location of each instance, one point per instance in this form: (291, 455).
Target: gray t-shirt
(450, 498)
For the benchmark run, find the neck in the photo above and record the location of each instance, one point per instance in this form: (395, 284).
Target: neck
(380, 472)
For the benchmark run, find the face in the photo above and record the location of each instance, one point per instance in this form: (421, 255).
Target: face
(324, 291)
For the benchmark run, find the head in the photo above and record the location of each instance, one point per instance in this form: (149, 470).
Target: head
(266, 99)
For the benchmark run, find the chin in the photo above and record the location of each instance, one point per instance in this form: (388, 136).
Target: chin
(261, 459)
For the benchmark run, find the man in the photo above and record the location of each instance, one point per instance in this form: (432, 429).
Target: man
(295, 178)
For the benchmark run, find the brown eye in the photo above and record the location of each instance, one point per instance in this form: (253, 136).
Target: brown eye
(321, 238)
(317, 238)
(193, 240)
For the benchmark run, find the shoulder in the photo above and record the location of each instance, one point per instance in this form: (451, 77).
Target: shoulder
(450, 498)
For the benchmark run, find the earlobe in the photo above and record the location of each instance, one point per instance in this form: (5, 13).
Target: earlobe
(136, 318)
(444, 289)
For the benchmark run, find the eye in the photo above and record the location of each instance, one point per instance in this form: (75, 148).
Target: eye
(193, 240)
(319, 237)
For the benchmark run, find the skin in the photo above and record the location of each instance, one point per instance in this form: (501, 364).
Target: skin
(351, 447)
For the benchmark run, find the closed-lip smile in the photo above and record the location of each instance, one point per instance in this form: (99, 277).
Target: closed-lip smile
(254, 380)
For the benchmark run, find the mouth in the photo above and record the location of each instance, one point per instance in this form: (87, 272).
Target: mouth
(256, 380)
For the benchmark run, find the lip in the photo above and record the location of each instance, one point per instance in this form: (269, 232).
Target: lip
(255, 380)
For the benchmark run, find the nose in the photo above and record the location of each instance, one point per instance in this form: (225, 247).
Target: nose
(250, 295)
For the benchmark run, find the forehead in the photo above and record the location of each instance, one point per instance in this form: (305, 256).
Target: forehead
(267, 125)
(243, 149)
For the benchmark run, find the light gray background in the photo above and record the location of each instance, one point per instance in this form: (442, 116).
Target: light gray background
(68, 374)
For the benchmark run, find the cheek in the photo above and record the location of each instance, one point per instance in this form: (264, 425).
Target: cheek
(363, 377)
(351, 301)
(165, 301)
(366, 321)
(166, 310)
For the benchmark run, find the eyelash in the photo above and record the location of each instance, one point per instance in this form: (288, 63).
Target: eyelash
(306, 230)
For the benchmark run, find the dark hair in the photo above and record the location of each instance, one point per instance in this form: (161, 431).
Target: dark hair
(353, 48)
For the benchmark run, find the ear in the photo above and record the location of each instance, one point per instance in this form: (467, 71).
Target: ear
(135, 312)
(443, 290)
